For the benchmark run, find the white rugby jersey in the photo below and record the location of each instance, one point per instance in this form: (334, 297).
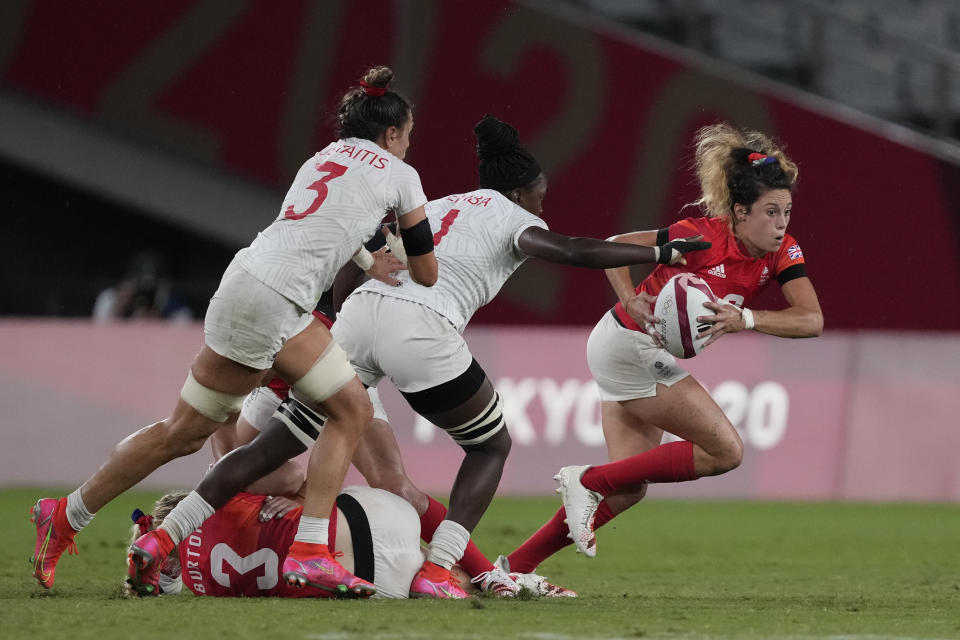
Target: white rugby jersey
(475, 241)
(334, 205)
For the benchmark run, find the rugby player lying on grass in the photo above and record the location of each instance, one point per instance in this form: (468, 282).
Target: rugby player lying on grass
(236, 528)
(240, 549)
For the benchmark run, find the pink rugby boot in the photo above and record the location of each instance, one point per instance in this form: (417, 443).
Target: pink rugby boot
(54, 535)
(145, 559)
(433, 581)
(311, 565)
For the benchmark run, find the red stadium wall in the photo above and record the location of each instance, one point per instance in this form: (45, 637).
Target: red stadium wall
(850, 416)
(247, 89)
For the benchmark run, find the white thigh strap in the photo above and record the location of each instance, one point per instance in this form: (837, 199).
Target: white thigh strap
(483, 427)
(216, 405)
(330, 373)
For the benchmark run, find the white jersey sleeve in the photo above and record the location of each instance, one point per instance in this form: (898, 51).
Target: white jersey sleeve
(407, 191)
(475, 238)
(335, 203)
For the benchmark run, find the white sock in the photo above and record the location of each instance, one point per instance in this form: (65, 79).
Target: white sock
(186, 517)
(77, 514)
(313, 530)
(448, 544)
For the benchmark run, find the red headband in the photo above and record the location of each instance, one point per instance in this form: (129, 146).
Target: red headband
(142, 520)
(757, 159)
(371, 90)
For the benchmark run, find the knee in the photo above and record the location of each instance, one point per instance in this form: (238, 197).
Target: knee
(388, 479)
(730, 456)
(356, 412)
(399, 485)
(292, 479)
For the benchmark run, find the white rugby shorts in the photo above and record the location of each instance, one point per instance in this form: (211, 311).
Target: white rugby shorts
(395, 533)
(261, 403)
(628, 364)
(413, 345)
(248, 322)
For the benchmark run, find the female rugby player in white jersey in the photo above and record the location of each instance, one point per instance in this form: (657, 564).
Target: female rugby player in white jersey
(412, 334)
(414, 338)
(259, 318)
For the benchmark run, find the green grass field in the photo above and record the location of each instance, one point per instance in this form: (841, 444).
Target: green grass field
(669, 569)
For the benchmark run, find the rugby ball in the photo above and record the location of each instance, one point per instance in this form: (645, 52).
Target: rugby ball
(678, 305)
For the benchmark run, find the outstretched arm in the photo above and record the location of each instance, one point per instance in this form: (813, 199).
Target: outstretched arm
(619, 277)
(601, 254)
(637, 305)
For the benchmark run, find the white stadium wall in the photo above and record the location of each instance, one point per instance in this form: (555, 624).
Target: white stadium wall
(849, 416)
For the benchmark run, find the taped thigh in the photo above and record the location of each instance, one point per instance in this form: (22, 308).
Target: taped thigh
(302, 421)
(481, 428)
(330, 373)
(215, 405)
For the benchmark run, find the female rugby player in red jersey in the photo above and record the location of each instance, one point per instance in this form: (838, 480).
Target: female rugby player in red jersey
(239, 552)
(746, 184)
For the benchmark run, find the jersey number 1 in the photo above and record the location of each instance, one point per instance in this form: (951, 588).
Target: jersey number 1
(445, 223)
(333, 170)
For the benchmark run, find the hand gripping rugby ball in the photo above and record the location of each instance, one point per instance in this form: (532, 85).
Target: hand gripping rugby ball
(677, 306)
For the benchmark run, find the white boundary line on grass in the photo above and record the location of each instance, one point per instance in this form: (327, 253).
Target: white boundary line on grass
(547, 635)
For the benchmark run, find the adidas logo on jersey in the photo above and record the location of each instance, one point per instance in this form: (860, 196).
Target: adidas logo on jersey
(717, 271)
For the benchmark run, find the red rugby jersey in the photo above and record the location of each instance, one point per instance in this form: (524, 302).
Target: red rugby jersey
(733, 275)
(235, 554)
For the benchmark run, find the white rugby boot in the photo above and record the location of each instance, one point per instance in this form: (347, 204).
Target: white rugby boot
(498, 582)
(535, 584)
(580, 505)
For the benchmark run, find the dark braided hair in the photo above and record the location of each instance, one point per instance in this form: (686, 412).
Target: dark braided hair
(504, 164)
(363, 114)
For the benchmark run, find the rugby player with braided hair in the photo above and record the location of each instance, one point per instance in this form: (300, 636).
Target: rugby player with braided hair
(412, 334)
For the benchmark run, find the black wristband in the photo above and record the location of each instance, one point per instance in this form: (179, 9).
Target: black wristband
(418, 239)
(663, 237)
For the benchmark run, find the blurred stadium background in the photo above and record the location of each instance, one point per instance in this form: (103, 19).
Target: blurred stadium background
(171, 130)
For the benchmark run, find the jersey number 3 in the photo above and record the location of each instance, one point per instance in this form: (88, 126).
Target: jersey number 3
(333, 170)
